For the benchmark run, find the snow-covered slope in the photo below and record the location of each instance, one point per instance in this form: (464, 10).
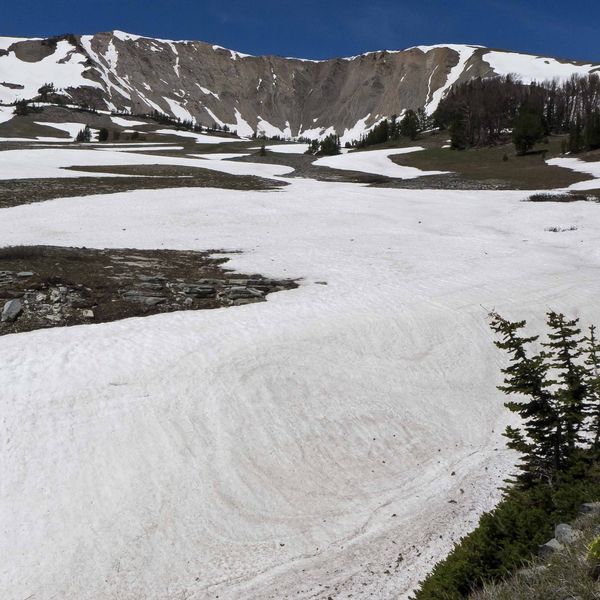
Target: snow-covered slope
(271, 450)
(273, 95)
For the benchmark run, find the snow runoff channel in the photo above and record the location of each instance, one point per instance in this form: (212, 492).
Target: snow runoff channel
(288, 449)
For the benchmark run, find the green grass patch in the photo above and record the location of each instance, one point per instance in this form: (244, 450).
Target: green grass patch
(498, 166)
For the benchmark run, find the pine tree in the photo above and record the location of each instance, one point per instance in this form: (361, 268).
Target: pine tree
(564, 348)
(458, 134)
(85, 135)
(528, 129)
(540, 439)
(591, 132)
(21, 108)
(591, 351)
(409, 126)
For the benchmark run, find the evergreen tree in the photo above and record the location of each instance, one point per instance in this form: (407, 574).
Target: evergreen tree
(564, 350)
(409, 126)
(85, 135)
(45, 90)
(591, 131)
(591, 352)
(425, 121)
(540, 439)
(458, 134)
(329, 146)
(21, 108)
(528, 129)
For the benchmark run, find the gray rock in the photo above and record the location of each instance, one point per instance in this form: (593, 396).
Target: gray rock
(87, 314)
(151, 286)
(590, 508)
(154, 301)
(238, 292)
(549, 548)
(199, 291)
(152, 278)
(565, 534)
(140, 295)
(25, 274)
(209, 282)
(11, 311)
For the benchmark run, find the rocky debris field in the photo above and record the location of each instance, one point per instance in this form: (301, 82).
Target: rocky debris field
(45, 286)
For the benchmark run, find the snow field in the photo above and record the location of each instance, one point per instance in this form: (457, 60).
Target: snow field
(259, 451)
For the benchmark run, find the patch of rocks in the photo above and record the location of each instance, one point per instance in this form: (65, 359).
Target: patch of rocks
(30, 300)
(226, 291)
(565, 534)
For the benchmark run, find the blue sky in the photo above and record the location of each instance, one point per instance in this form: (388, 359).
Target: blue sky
(322, 29)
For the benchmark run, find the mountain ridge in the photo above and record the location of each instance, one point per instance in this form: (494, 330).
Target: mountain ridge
(271, 95)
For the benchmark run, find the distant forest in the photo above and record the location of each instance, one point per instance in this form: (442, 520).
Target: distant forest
(497, 110)
(489, 111)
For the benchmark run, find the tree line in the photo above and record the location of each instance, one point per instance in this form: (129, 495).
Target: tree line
(489, 111)
(409, 126)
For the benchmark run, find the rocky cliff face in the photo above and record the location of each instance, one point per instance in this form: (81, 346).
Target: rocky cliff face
(270, 94)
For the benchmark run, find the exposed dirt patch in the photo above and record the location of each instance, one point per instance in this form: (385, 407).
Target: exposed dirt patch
(14, 192)
(47, 286)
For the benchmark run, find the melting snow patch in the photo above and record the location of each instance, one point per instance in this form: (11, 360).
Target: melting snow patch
(126, 122)
(376, 162)
(580, 166)
(288, 148)
(201, 138)
(208, 92)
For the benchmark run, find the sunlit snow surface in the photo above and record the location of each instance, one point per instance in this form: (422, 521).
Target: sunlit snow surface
(270, 450)
(535, 68)
(52, 163)
(376, 162)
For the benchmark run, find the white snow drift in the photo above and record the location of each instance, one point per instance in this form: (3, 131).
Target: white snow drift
(269, 450)
(377, 162)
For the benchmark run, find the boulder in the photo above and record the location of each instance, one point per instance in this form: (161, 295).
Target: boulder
(565, 534)
(238, 292)
(12, 309)
(590, 508)
(549, 548)
(154, 301)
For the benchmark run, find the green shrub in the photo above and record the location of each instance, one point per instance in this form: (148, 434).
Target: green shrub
(507, 537)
